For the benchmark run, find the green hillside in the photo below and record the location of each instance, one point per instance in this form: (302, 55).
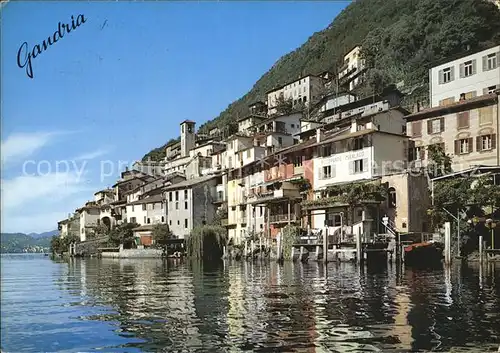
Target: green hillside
(401, 39)
(19, 242)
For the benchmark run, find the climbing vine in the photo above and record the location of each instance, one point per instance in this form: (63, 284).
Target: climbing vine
(206, 242)
(289, 236)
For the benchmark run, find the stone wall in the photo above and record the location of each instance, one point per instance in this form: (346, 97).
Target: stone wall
(133, 253)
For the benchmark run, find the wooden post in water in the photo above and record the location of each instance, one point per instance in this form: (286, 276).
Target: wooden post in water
(358, 248)
(480, 249)
(325, 245)
(447, 243)
(278, 246)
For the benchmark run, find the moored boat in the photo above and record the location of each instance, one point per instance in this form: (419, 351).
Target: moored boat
(423, 253)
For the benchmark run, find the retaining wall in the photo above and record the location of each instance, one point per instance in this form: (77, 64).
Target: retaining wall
(133, 253)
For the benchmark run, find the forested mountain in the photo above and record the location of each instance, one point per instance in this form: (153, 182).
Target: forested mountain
(20, 242)
(401, 40)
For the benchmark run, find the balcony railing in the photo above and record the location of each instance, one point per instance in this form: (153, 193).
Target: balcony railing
(283, 218)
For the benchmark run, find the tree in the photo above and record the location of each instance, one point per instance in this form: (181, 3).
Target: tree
(284, 106)
(439, 162)
(123, 234)
(357, 194)
(206, 242)
(161, 234)
(98, 230)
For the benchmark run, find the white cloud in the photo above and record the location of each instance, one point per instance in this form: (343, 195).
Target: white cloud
(22, 145)
(20, 190)
(92, 155)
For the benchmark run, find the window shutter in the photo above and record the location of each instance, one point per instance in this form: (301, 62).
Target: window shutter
(441, 77)
(333, 172)
(493, 140)
(474, 66)
(457, 146)
(429, 127)
(485, 63)
(471, 145)
(452, 73)
(365, 164)
(351, 167)
(441, 123)
(479, 145)
(462, 70)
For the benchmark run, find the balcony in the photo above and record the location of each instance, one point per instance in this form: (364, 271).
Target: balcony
(277, 195)
(283, 218)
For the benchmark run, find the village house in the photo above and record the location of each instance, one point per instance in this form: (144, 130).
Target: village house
(351, 73)
(466, 130)
(190, 204)
(89, 216)
(69, 226)
(301, 91)
(471, 76)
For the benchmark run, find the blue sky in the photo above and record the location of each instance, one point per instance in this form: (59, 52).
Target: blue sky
(120, 84)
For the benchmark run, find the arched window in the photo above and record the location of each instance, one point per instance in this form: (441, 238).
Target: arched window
(392, 197)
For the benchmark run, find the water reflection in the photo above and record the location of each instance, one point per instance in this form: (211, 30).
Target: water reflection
(149, 305)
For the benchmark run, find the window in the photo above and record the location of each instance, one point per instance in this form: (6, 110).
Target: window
(360, 127)
(467, 68)
(417, 154)
(260, 211)
(144, 219)
(177, 205)
(486, 115)
(162, 219)
(185, 223)
(144, 207)
(170, 222)
(446, 75)
(177, 196)
(292, 125)
(132, 220)
(185, 194)
(358, 143)
(327, 172)
(178, 222)
(297, 161)
(326, 151)
(359, 166)
(490, 61)
(489, 90)
(392, 198)
(435, 126)
(333, 220)
(463, 120)
(170, 196)
(185, 205)
(463, 146)
(416, 128)
(149, 221)
(280, 141)
(486, 142)
(132, 208)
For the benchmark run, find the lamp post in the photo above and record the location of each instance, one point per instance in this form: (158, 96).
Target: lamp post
(491, 225)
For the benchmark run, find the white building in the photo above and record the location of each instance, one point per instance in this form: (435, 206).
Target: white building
(353, 68)
(303, 90)
(472, 75)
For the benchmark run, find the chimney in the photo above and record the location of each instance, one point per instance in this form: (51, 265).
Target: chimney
(319, 135)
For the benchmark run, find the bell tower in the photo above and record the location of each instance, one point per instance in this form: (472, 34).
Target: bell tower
(187, 137)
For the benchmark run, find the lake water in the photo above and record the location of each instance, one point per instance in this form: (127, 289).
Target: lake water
(151, 306)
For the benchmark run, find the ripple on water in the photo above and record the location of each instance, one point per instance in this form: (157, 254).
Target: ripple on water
(146, 306)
